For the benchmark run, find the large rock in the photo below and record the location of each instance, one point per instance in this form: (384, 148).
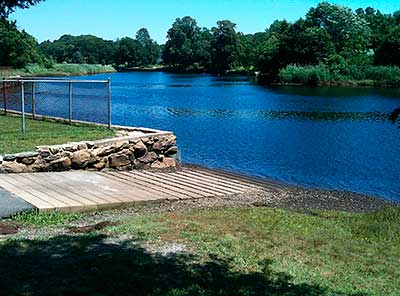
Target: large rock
(9, 157)
(14, 167)
(148, 157)
(140, 149)
(171, 151)
(82, 158)
(40, 165)
(166, 162)
(119, 160)
(27, 158)
(62, 164)
(164, 143)
(111, 149)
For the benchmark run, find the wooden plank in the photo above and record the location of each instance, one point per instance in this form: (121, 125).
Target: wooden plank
(83, 191)
(106, 186)
(135, 193)
(210, 182)
(239, 177)
(118, 178)
(61, 194)
(168, 194)
(68, 196)
(24, 183)
(193, 193)
(172, 178)
(27, 196)
(182, 194)
(228, 181)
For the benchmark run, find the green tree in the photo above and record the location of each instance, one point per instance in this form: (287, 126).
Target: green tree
(149, 51)
(17, 48)
(388, 52)
(9, 6)
(94, 50)
(127, 52)
(181, 43)
(225, 46)
(350, 32)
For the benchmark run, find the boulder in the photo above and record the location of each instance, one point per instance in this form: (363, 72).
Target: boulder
(62, 164)
(40, 165)
(148, 157)
(140, 149)
(171, 151)
(99, 165)
(82, 158)
(167, 162)
(170, 162)
(119, 160)
(26, 158)
(14, 167)
(9, 157)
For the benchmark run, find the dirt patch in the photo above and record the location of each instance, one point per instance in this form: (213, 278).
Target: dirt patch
(91, 228)
(8, 228)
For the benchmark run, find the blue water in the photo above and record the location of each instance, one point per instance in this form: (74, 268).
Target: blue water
(332, 138)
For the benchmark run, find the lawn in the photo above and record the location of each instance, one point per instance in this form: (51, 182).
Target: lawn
(39, 132)
(237, 251)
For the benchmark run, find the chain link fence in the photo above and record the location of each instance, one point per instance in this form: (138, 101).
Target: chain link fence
(72, 100)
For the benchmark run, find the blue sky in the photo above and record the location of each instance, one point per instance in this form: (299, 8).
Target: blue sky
(111, 19)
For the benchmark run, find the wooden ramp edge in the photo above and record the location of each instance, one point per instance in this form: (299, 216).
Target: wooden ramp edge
(86, 190)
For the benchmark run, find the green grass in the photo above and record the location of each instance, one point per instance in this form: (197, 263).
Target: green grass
(58, 70)
(46, 219)
(240, 251)
(39, 132)
(342, 253)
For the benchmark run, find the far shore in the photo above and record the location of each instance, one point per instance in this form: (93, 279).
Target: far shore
(57, 70)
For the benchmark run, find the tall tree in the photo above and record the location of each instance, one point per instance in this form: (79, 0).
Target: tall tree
(9, 6)
(350, 32)
(149, 51)
(225, 46)
(17, 48)
(182, 43)
(388, 53)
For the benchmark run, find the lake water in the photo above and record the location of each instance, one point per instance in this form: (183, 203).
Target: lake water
(333, 138)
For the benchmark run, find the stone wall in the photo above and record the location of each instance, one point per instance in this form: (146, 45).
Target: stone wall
(158, 151)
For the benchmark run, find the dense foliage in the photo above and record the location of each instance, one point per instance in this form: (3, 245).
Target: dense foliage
(331, 43)
(17, 48)
(94, 50)
(340, 43)
(9, 6)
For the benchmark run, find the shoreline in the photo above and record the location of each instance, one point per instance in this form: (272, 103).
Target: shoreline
(64, 70)
(260, 80)
(295, 197)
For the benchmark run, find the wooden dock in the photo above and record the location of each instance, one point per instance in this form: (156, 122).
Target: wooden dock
(85, 190)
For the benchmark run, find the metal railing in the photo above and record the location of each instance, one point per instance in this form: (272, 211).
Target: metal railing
(83, 100)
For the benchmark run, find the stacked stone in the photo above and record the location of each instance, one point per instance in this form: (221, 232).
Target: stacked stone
(157, 152)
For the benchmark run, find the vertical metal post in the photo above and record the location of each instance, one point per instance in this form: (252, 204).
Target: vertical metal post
(4, 97)
(23, 106)
(70, 103)
(33, 100)
(109, 102)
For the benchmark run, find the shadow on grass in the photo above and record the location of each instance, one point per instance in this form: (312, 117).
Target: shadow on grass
(89, 265)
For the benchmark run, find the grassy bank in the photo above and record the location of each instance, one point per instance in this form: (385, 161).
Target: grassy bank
(341, 75)
(58, 70)
(40, 132)
(237, 251)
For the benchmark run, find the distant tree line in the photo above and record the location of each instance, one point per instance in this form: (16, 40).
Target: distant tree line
(333, 39)
(88, 49)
